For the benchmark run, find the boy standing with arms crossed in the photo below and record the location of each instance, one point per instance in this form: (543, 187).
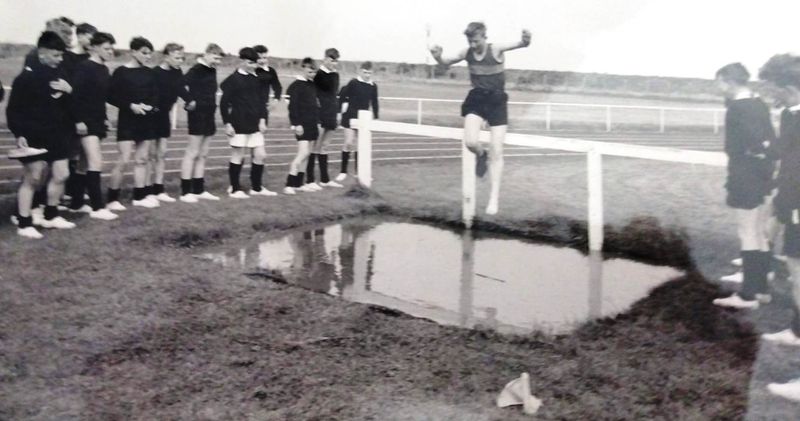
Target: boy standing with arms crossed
(487, 101)
(304, 117)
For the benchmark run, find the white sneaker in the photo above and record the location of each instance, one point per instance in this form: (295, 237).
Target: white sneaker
(29, 232)
(82, 209)
(316, 187)
(764, 298)
(238, 194)
(163, 197)
(735, 301)
(189, 198)
(789, 390)
(332, 184)
(289, 190)
(144, 203)
(115, 206)
(58, 223)
(781, 258)
(14, 220)
(206, 196)
(152, 199)
(262, 192)
(492, 207)
(308, 188)
(103, 215)
(784, 337)
(737, 262)
(341, 177)
(737, 277)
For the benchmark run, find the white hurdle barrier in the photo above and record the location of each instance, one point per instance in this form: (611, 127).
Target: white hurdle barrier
(594, 151)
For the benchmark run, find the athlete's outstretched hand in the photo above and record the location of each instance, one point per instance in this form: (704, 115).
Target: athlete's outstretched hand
(526, 37)
(436, 51)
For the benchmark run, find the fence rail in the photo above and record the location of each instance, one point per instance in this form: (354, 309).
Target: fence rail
(609, 110)
(594, 151)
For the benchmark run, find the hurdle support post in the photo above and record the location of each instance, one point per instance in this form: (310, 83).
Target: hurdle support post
(365, 148)
(594, 161)
(467, 186)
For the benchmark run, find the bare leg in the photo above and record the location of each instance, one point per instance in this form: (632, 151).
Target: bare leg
(125, 152)
(495, 167)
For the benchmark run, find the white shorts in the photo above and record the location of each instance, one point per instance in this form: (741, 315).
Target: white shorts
(252, 140)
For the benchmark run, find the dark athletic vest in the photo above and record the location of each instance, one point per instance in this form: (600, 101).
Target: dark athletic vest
(487, 73)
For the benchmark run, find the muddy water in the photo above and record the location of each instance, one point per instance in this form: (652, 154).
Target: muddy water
(452, 278)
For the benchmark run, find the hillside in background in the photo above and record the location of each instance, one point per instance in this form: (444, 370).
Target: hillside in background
(545, 81)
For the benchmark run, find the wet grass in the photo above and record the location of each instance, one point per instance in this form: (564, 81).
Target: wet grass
(118, 321)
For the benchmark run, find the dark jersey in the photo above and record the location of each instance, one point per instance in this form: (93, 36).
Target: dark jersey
(90, 94)
(200, 84)
(327, 84)
(487, 73)
(269, 81)
(359, 95)
(243, 102)
(170, 86)
(303, 103)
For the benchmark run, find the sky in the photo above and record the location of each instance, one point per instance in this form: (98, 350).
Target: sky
(683, 38)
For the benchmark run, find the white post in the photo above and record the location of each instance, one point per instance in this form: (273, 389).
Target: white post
(548, 110)
(419, 111)
(364, 148)
(594, 161)
(175, 116)
(716, 122)
(661, 120)
(467, 186)
(608, 119)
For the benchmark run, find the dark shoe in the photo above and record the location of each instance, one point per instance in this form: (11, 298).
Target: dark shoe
(481, 164)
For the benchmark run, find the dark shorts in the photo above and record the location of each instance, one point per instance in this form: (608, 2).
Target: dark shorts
(492, 106)
(749, 181)
(328, 121)
(98, 129)
(135, 127)
(310, 133)
(57, 149)
(791, 240)
(162, 125)
(201, 122)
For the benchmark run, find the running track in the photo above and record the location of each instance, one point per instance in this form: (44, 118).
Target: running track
(386, 147)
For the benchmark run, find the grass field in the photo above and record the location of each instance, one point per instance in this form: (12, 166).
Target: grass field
(123, 323)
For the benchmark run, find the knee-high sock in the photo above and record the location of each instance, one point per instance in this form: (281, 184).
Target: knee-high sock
(355, 161)
(755, 277)
(95, 190)
(345, 160)
(233, 174)
(198, 185)
(78, 189)
(310, 168)
(323, 168)
(256, 171)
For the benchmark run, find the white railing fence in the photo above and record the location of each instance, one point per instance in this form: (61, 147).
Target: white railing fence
(594, 151)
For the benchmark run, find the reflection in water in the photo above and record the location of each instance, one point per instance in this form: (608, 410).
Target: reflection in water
(454, 279)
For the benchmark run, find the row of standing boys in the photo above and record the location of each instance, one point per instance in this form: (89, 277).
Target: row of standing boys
(57, 113)
(763, 188)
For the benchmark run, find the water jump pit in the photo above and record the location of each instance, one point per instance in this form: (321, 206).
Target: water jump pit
(451, 277)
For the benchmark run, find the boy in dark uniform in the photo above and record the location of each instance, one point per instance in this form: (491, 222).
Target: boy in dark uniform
(487, 101)
(200, 84)
(134, 91)
(782, 74)
(327, 83)
(304, 118)
(39, 117)
(748, 131)
(268, 77)
(169, 78)
(359, 94)
(244, 112)
(89, 97)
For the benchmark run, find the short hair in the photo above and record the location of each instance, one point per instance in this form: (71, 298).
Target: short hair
(100, 38)
(214, 49)
(367, 65)
(332, 53)
(782, 70)
(61, 28)
(67, 21)
(308, 62)
(734, 72)
(260, 49)
(85, 28)
(248, 53)
(475, 28)
(137, 43)
(171, 47)
(51, 41)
